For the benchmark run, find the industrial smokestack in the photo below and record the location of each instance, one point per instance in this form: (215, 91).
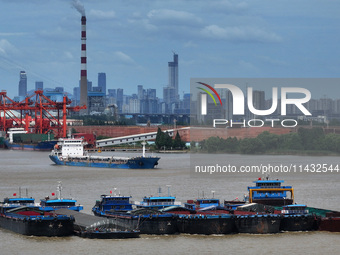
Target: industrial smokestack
(83, 61)
(83, 71)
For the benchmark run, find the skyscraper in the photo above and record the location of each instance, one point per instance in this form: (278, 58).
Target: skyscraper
(39, 85)
(173, 77)
(120, 99)
(23, 84)
(102, 81)
(140, 92)
(170, 93)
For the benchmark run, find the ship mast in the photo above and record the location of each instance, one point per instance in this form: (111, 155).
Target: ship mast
(59, 188)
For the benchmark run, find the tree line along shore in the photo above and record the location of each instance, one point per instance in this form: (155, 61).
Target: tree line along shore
(305, 141)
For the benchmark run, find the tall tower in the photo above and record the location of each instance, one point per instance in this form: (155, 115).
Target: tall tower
(23, 84)
(173, 77)
(83, 71)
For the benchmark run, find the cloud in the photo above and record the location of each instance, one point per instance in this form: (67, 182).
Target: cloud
(247, 66)
(172, 17)
(272, 61)
(238, 33)
(190, 44)
(58, 34)
(227, 6)
(13, 34)
(68, 55)
(102, 15)
(123, 58)
(7, 48)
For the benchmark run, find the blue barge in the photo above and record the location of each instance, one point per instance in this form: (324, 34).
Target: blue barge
(58, 202)
(146, 220)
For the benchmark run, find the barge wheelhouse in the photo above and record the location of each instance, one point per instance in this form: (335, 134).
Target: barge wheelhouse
(271, 192)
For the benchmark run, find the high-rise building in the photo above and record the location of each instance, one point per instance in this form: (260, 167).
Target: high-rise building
(120, 99)
(112, 93)
(259, 102)
(89, 86)
(151, 94)
(102, 82)
(140, 92)
(23, 84)
(76, 96)
(170, 93)
(39, 85)
(173, 77)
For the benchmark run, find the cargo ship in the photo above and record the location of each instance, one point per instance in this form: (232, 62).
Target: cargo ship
(19, 139)
(71, 152)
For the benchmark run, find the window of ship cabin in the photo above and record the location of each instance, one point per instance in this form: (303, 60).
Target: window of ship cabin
(61, 203)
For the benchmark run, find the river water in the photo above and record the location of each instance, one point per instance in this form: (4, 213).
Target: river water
(175, 174)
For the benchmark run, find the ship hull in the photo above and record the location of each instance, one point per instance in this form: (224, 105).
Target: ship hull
(43, 227)
(41, 146)
(298, 223)
(206, 225)
(109, 235)
(331, 224)
(258, 224)
(133, 163)
(148, 224)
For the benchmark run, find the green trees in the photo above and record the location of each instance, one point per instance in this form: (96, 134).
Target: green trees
(177, 143)
(252, 146)
(217, 144)
(304, 140)
(164, 141)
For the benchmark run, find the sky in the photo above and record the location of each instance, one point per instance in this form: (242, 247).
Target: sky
(132, 41)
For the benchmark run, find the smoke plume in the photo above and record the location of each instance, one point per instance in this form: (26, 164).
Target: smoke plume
(79, 7)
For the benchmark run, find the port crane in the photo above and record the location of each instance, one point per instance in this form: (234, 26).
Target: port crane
(37, 113)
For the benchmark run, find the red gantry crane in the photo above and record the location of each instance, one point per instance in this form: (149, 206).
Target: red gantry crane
(36, 113)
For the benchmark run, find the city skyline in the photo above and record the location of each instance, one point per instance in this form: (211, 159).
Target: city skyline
(130, 41)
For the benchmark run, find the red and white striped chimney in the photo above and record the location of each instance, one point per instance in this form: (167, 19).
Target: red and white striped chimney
(83, 71)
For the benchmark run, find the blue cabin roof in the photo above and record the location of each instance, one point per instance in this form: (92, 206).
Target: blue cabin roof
(20, 199)
(269, 181)
(51, 201)
(159, 198)
(260, 184)
(208, 200)
(114, 197)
